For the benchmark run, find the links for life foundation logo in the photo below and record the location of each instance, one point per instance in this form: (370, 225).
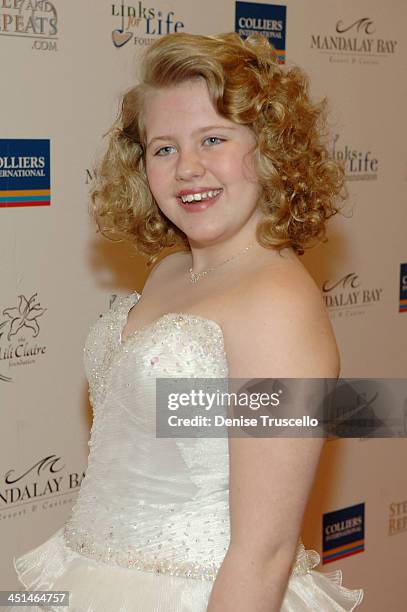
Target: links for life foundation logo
(33, 20)
(360, 165)
(141, 24)
(266, 19)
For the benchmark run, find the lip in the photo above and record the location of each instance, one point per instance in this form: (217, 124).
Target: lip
(195, 207)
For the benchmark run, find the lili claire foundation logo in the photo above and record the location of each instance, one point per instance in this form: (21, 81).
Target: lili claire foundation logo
(19, 330)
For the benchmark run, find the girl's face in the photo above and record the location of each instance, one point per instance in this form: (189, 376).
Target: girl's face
(200, 165)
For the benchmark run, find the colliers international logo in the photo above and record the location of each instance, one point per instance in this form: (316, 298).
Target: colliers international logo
(343, 533)
(19, 332)
(33, 20)
(354, 42)
(348, 296)
(25, 173)
(266, 19)
(141, 24)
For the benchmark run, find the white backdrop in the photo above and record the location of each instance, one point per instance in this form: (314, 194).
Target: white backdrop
(64, 66)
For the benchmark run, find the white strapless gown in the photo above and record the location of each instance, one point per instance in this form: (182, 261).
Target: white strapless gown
(150, 526)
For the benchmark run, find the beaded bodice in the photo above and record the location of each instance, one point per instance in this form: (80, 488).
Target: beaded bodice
(158, 504)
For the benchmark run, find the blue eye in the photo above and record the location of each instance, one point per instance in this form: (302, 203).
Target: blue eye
(214, 140)
(164, 151)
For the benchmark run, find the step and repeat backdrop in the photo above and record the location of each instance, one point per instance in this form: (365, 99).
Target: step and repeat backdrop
(64, 66)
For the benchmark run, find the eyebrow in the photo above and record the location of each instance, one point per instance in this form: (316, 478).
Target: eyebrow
(198, 131)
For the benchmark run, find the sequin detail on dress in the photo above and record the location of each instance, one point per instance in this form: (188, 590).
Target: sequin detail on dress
(162, 513)
(150, 527)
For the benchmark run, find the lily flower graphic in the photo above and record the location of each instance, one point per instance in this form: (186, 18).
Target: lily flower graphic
(24, 315)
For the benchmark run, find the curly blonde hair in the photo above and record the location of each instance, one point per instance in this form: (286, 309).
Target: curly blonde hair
(301, 183)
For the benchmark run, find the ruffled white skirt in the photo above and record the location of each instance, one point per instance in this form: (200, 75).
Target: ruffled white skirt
(97, 587)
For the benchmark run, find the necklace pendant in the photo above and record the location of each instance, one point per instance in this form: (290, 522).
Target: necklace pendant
(195, 276)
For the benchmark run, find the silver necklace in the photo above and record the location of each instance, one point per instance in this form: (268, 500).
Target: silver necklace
(196, 276)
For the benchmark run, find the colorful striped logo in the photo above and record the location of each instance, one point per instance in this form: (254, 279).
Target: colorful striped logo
(343, 533)
(25, 175)
(403, 288)
(29, 197)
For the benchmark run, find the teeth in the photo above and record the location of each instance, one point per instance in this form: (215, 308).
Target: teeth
(197, 197)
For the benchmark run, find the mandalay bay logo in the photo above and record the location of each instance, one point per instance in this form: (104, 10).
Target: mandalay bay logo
(34, 20)
(141, 23)
(348, 297)
(354, 42)
(19, 327)
(42, 486)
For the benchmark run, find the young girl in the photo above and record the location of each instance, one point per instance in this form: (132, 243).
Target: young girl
(217, 151)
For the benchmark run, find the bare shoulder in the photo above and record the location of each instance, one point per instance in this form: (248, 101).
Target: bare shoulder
(279, 287)
(279, 325)
(170, 264)
(285, 285)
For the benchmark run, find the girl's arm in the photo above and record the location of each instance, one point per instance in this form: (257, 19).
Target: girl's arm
(279, 330)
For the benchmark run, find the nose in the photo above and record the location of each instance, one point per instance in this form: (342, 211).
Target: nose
(189, 165)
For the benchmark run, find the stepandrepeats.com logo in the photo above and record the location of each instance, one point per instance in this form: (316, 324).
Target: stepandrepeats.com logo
(25, 173)
(19, 330)
(266, 19)
(354, 42)
(34, 20)
(141, 23)
(398, 517)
